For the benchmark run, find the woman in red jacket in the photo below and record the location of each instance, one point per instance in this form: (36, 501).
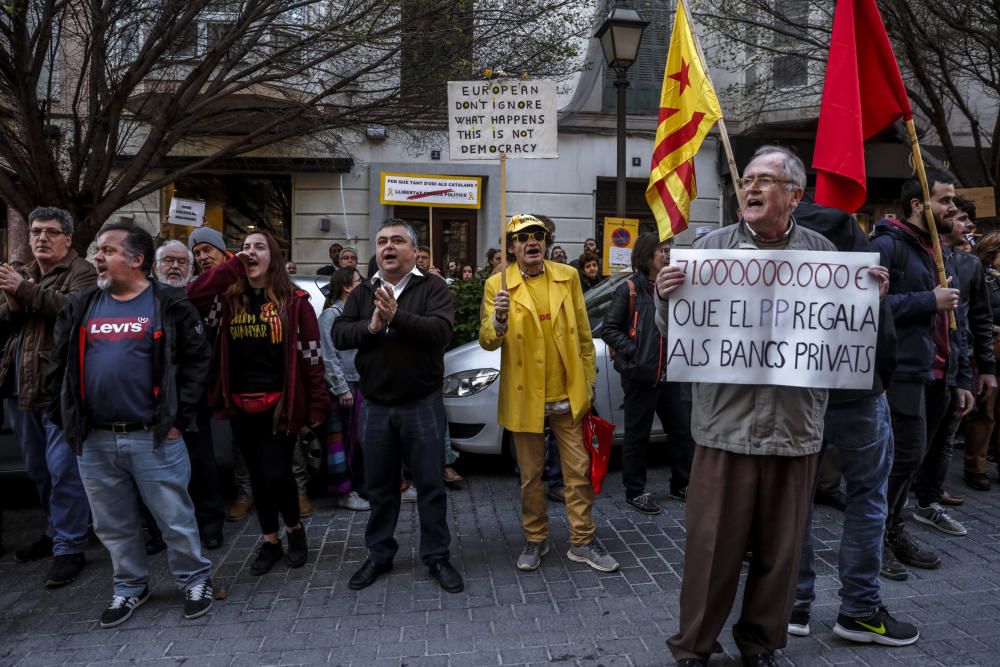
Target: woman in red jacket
(270, 382)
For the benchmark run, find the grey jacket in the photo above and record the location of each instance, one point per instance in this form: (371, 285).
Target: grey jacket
(759, 420)
(338, 364)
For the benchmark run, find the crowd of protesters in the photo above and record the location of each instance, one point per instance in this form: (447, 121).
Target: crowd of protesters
(205, 332)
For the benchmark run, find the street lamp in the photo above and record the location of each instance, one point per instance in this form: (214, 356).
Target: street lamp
(620, 35)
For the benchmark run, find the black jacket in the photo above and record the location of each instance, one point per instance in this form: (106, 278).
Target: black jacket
(992, 281)
(405, 361)
(840, 228)
(975, 305)
(912, 279)
(181, 361)
(637, 343)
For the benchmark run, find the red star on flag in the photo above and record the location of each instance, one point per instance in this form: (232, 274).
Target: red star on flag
(681, 76)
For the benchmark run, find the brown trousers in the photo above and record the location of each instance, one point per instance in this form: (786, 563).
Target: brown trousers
(736, 502)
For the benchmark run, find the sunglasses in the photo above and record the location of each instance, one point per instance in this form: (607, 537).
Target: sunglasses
(522, 237)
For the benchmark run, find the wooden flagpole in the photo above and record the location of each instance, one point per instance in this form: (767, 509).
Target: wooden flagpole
(918, 162)
(734, 172)
(503, 221)
(430, 234)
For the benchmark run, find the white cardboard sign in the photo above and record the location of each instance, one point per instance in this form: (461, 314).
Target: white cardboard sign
(778, 317)
(186, 212)
(516, 118)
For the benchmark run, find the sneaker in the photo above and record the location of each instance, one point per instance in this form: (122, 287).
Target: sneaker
(798, 624)
(679, 494)
(936, 516)
(644, 503)
(594, 555)
(879, 628)
(268, 554)
(305, 505)
(198, 599)
(121, 608)
(239, 509)
(64, 570)
(37, 550)
(409, 496)
(892, 568)
(298, 550)
(352, 501)
(909, 552)
(531, 555)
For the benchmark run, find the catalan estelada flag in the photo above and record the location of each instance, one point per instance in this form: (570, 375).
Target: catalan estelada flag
(688, 109)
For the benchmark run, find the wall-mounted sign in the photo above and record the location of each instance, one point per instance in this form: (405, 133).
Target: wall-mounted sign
(515, 118)
(619, 239)
(430, 190)
(187, 212)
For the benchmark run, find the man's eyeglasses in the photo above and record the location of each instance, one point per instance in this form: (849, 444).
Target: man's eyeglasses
(762, 182)
(522, 237)
(179, 261)
(49, 233)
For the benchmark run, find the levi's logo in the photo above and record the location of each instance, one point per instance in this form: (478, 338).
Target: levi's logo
(117, 328)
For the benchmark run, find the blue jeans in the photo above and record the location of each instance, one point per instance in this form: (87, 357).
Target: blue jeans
(411, 433)
(862, 431)
(52, 466)
(114, 466)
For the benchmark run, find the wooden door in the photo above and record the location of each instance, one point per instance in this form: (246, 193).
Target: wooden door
(454, 233)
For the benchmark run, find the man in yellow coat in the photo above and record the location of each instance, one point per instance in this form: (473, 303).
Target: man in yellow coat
(547, 372)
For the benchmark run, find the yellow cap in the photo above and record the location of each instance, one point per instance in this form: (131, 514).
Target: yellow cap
(523, 221)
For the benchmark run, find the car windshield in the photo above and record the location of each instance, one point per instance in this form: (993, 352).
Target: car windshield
(598, 299)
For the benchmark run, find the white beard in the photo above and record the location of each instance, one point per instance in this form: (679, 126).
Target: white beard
(104, 283)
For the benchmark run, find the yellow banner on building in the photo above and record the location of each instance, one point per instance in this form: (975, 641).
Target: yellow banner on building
(430, 190)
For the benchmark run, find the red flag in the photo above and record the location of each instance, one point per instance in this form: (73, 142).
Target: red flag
(862, 95)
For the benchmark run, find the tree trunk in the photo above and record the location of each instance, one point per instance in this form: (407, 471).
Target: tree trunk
(18, 249)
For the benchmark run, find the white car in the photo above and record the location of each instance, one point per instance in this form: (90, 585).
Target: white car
(471, 387)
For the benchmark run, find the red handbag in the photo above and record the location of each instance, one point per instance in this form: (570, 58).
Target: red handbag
(256, 402)
(597, 436)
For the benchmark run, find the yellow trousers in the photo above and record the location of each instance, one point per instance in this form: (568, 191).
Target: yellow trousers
(530, 448)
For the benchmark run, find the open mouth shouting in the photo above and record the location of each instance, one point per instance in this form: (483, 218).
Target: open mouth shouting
(754, 202)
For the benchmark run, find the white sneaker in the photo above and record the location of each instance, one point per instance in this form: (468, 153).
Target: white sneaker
(410, 495)
(353, 501)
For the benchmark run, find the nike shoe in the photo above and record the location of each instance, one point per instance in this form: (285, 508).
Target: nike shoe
(879, 628)
(798, 624)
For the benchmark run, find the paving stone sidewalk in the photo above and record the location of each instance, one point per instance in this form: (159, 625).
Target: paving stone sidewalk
(562, 614)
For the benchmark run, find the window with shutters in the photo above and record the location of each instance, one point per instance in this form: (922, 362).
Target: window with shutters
(789, 69)
(645, 77)
(436, 35)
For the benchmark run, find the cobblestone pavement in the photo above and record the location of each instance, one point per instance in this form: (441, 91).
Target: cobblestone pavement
(563, 614)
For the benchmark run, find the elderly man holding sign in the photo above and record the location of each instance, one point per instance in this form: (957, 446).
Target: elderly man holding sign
(757, 444)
